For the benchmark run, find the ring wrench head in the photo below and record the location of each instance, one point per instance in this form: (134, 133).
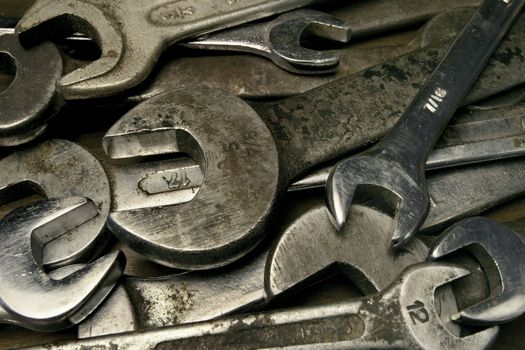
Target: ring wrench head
(27, 294)
(501, 253)
(237, 155)
(59, 169)
(31, 98)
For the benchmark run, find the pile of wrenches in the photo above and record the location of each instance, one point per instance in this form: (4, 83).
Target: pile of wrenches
(178, 174)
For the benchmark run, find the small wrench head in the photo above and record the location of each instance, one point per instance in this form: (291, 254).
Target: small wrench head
(378, 179)
(286, 32)
(31, 99)
(27, 293)
(501, 253)
(58, 169)
(420, 310)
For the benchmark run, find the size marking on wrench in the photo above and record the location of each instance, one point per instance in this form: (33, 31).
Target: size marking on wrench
(393, 170)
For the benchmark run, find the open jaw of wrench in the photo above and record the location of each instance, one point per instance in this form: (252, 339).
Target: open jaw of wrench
(490, 242)
(472, 137)
(408, 306)
(131, 35)
(237, 288)
(303, 131)
(393, 170)
(29, 297)
(32, 82)
(280, 40)
(58, 169)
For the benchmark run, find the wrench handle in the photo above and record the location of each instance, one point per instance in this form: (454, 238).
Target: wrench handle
(415, 134)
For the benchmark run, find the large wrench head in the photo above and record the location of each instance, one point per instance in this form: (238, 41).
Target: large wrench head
(501, 253)
(384, 183)
(31, 98)
(237, 155)
(108, 74)
(311, 246)
(416, 292)
(59, 169)
(27, 294)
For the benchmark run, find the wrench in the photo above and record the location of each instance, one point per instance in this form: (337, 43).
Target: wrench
(204, 295)
(132, 34)
(22, 122)
(404, 316)
(305, 131)
(28, 296)
(393, 169)
(490, 242)
(59, 168)
(280, 41)
(476, 136)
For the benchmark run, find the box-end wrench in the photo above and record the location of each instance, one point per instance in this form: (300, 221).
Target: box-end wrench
(406, 316)
(29, 297)
(132, 34)
(490, 242)
(300, 132)
(393, 170)
(204, 295)
(58, 169)
(475, 136)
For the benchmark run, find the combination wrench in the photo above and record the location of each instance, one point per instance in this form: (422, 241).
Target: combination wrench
(392, 171)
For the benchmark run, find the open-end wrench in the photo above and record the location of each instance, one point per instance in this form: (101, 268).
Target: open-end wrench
(303, 131)
(280, 40)
(132, 34)
(22, 122)
(405, 316)
(490, 242)
(394, 169)
(204, 295)
(475, 136)
(58, 169)
(28, 296)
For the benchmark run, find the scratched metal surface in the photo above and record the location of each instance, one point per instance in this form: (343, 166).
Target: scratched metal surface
(335, 289)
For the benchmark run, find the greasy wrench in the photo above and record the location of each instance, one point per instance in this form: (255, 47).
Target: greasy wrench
(393, 170)
(475, 136)
(204, 295)
(122, 26)
(28, 296)
(408, 306)
(300, 132)
(501, 253)
(47, 170)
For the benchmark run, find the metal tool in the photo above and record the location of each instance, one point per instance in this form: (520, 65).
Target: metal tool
(408, 307)
(237, 288)
(21, 122)
(475, 136)
(305, 130)
(500, 252)
(59, 169)
(280, 40)
(393, 170)
(28, 296)
(121, 29)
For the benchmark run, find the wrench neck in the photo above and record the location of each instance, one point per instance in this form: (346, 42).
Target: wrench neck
(417, 131)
